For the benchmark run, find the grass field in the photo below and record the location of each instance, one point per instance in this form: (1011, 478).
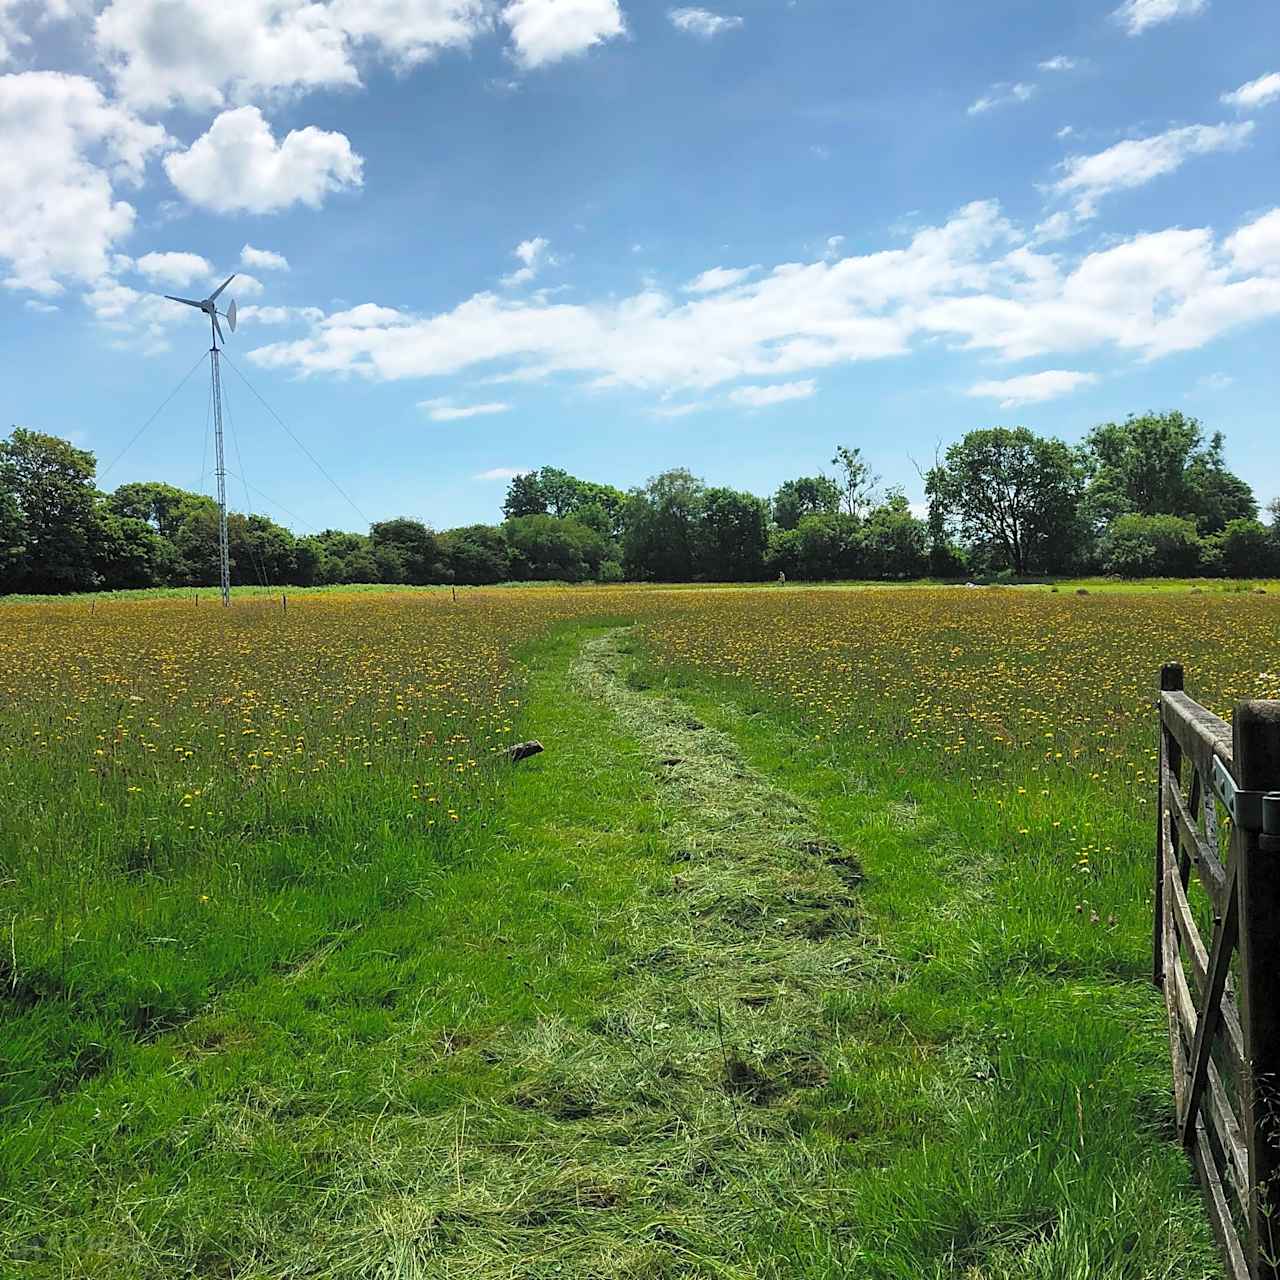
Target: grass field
(816, 944)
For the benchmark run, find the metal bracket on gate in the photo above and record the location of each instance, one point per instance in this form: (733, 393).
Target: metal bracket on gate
(1250, 810)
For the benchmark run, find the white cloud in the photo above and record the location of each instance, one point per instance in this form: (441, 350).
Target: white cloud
(1000, 95)
(703, 22)
(66, 149)
(1137, 15)
(444, 410)
(778, 393)
(1257, 93)
(1256, 247)
(546, 31)
(263, 259)
(1032, 388)
(533, 253)
(244, 285)
(411, 31)
(1137, 161)
(210, 55)
(140, 319)
(1065, 132)
(1059, 62)
(717, 278)
(680, 410)
(44, 308)
(1214, 382)
(176, 269)
(974, 282)
(238, 166)
(278, 315)
(501, 473)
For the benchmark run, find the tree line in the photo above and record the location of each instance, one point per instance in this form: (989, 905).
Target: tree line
(1148, 497)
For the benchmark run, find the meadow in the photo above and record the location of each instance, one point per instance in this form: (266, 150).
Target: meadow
(816, 943)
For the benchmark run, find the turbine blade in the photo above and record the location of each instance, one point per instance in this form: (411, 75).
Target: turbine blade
(220, 288)
(191, 302)
(217, 330)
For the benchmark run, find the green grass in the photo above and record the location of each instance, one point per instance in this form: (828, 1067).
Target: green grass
(696, 992)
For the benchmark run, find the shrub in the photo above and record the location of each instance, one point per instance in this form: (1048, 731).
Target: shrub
(1137, 546)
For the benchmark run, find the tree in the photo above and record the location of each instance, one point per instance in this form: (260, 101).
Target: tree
(476, 555)
(409, 546)
(261, 551)
(856, 481)
(130, 553)
(1242, 550)
(734, 536)
(13, 529)
(162, 505)
(52, 483)
(1015, 493)
(1159, 464)
(525, 496)
(821, 548)
(196, 545)
(894, 542)
(662, 526)
(552, 549)
(1139, 546)
(806, 496)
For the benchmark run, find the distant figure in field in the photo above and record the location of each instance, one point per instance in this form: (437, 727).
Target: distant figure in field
(782, 578)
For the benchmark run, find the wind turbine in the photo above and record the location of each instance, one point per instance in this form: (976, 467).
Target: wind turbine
(209, 306)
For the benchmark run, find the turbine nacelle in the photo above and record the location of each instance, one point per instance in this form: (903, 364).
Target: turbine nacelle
(210, 308)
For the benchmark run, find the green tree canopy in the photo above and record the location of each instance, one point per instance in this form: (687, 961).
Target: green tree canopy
(1014, 492)
(52, 483)
(662, 527)
(1160, 464)
(805, 496)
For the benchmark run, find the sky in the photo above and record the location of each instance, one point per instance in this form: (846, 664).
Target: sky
(474, 237)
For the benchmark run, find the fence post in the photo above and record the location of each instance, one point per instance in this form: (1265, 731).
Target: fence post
(1256, 755)
(1170, 757)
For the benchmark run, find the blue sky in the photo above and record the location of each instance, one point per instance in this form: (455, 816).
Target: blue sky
(477, 236)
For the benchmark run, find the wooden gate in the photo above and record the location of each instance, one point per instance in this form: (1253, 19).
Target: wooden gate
(1223, 1000)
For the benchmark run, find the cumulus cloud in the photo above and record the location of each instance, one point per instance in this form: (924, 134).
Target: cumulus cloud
(274, 315)
(533, 253)
(1032, 388)
(975, 282)
(263, 259)
(1137, 161)
(1000, 95)
(1059, 62)
(162, 53)
(703, 22)
(176, 269)
(547, 31)
(1256, 247)
(66, 149)
(444, 410)
(1256, 93)
(717, 278)
(140, 319)
(1136, 16)
(778, 393)
(238, 166)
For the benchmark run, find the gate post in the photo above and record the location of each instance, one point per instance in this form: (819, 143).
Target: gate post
(1256, 755)
(1170, 756)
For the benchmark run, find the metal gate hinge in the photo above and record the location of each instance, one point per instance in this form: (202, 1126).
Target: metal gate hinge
(1257, 811)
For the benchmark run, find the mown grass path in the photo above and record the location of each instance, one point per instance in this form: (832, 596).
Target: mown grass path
(651, 1024)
